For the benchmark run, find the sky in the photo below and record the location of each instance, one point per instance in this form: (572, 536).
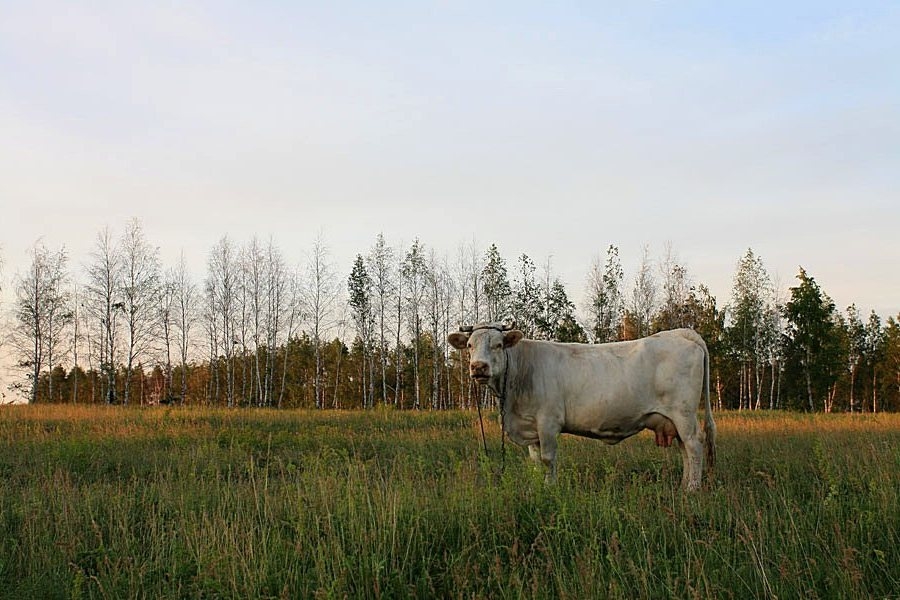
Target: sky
(553, 129)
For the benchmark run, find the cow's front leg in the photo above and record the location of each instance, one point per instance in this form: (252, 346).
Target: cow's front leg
(534, 453)
(547, 451)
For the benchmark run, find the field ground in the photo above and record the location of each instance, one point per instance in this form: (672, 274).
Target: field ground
(104, 502)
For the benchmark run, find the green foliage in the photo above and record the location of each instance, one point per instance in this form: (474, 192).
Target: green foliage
(812, 345)
(495, 285)
(605, 297)
(558, 321)
(260, 348)
(527, 304)
(177, 503)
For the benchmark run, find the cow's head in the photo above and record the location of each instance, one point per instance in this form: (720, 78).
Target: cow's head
(486, 343)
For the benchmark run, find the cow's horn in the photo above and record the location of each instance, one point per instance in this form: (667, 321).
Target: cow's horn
(466, 328)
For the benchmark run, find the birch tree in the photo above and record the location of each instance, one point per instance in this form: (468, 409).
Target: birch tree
(41, 312)
(473, 276)
(856, 351)
(413, 272)
(222, 305)
(140, 289)
(293, 315)
(320, 299)
(874, 336)
(59, 312)
(604, 296)
(165, 324)
(379, 265)
(643, 296)
(243, 310)
(254, 288)
(399, 306)
(438, 293)
(186, 299)
(465, 314)
(76, 340)
(674, 311)
(754, 324)
(279, 300)
(103, 301)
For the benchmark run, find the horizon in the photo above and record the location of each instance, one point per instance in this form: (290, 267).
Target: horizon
(553, 131)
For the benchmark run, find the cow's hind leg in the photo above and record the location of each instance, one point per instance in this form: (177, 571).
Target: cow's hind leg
(691, 451)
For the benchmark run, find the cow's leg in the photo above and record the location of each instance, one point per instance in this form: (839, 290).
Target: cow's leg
(693, 464)
(547, 436)
(534, 453)
(691, 451)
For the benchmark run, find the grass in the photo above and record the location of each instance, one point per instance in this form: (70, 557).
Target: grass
(104, 502)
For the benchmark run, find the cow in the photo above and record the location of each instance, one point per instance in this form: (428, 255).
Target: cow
(607, 392)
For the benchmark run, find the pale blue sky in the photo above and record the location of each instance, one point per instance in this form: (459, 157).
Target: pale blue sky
(548, 128)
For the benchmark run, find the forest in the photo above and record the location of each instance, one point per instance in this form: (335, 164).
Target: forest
(257, 331)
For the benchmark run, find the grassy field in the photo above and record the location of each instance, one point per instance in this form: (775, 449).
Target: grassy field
(104, 502)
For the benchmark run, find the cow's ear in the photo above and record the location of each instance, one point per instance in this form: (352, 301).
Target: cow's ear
(511, 338)
(458, 340)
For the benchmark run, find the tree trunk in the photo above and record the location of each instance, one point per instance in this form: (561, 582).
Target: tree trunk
(772, 387)
(874, 388)
(809, 391)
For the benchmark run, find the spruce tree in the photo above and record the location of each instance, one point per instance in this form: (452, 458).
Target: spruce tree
(812, 350)
(495, 286)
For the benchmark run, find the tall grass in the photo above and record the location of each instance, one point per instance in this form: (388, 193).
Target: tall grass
(115, 503)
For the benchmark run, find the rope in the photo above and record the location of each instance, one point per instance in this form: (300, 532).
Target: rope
(502, 401)
(503, 414)
(501, 396)
(481, 422)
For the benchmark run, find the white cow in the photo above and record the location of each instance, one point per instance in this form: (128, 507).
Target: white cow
(603, 391)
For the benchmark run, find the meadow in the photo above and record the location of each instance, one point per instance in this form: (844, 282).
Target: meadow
(107, 502)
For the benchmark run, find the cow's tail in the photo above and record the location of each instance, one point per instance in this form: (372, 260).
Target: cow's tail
(709, 425)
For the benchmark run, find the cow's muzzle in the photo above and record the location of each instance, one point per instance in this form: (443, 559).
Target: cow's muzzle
(480, 371)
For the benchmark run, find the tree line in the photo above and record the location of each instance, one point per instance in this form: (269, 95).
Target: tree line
(259, 331)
